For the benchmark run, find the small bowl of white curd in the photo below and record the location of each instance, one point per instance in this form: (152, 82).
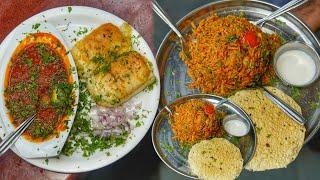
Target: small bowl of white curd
(297, 64)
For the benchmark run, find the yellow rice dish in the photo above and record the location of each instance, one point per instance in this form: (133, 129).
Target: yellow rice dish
(228, 54)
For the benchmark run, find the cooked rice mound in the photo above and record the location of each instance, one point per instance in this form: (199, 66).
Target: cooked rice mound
(215, 159)
(221, 63)
(279, 138)
(190, 123)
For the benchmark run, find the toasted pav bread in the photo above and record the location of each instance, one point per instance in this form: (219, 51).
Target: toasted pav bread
(106, 41)
(128, 75)
(113, 71)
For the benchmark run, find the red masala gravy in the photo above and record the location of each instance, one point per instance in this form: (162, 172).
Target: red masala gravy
(38, 81)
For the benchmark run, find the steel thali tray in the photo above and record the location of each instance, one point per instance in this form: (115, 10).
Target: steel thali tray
(173, 73)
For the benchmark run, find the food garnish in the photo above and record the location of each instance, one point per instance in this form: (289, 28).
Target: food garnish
(113, 121)
(91, 132)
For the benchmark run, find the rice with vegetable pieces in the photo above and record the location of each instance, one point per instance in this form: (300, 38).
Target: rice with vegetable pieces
(229, 53)
(196, 120)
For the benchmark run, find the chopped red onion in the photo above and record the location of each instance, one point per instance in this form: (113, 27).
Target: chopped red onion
(113, 121)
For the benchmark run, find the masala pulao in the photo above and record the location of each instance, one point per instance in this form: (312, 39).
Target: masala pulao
(196, 120)
(279, 138)
(228, 54)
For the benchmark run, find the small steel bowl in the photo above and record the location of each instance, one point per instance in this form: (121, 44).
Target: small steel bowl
(296, 45)
(175, 156)
(239, 118)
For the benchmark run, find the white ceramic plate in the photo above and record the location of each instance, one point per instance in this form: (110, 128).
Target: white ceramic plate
(27, 148)
(70, 21)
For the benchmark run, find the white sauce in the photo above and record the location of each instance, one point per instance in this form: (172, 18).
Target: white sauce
(296, 67)
(236, 127)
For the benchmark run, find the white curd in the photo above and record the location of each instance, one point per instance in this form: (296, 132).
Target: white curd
(296, 67)
(236, 127)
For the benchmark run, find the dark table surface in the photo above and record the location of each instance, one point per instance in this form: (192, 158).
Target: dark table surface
(142, 163)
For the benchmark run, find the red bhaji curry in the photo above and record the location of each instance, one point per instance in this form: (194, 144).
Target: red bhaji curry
(38, 80)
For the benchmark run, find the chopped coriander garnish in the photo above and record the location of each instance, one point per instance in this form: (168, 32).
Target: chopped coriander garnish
(81, 134)
(136, 40)
(242, 14)
(178, 94)
(69, 9)
(29, 62)
(98, 59)
(46, 56)
(314, 105)
(36, 26)
(82, 31)
(138, 124)
(105, 68)
(235, 140)
(279, 22)
(296, 93)
(185, 148)
(232, 38)
(152, 85)
(97, 98)
(167, 147)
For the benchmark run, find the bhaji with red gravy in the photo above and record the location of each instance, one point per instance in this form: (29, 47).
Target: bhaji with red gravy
(38, 80)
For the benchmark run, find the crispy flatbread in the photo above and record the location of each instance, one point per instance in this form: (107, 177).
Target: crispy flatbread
(279, 138)
(215, 159)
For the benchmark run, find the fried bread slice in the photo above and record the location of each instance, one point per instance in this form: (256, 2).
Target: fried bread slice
(113, 71)
(128, 75)
(106, 41)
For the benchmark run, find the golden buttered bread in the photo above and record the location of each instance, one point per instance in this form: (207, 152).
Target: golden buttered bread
(104, 41)
(113, 71)
(128, 75)
(215, 159)
(279, 138)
